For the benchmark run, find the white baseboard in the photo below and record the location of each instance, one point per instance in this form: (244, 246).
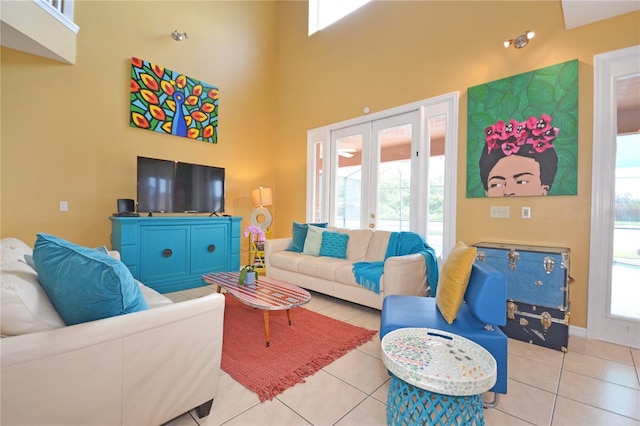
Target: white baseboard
(577, 331)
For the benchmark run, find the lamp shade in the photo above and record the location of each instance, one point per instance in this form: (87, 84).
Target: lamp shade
(261, 197)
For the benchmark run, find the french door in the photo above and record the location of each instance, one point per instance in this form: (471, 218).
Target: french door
(372, 173)
(388, 171)
(614, 272)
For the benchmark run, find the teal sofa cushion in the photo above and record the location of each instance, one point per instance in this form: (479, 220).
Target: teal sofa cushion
(334, 244)
(84, 284)
(299, 235)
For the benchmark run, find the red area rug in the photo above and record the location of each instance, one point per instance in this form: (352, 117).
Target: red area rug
(297, 351)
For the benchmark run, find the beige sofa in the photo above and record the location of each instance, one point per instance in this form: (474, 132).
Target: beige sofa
(142, 368)
(332, 276)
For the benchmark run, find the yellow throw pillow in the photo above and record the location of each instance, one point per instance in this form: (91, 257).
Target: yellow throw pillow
(454, 279)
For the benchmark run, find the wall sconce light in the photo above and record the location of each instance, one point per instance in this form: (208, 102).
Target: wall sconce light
(521, 41)
(261, 216)
(177, 36)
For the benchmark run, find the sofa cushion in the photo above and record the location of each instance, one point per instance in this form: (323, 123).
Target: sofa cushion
(377, 249)
(152, 297)
(334, 244)
(299, 235)
(84, 284)
(313, 242)
(359, 240)
(286, 260)
(321, 267)
(25, 307)
(454, 279)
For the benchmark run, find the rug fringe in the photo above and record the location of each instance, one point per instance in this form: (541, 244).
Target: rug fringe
(300, 374)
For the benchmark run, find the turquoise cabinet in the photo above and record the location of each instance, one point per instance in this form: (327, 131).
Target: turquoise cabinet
(172, 253)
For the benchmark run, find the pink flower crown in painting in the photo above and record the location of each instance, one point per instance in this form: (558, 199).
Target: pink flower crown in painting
(534, 134)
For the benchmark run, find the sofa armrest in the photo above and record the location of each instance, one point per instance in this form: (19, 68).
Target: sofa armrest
(141, 368)
(273, 246)
(405, 275)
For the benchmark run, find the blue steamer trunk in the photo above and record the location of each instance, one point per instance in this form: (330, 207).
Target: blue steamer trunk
(539, 325)
(537, 291)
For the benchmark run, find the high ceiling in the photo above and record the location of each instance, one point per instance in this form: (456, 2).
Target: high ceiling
(582, 12)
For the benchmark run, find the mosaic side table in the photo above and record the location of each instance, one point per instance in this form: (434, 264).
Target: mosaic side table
(437, 378)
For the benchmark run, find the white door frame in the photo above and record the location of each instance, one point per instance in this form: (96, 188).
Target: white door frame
(601, 324)
(445, 104)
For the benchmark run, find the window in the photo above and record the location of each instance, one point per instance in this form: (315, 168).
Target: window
(323, 13)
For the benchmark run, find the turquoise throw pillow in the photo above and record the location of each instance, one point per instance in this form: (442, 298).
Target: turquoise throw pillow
(84, 284)
(299, 235)
(334, 244)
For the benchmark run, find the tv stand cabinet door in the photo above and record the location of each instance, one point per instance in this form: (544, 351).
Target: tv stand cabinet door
(164, 254)
(210, 249)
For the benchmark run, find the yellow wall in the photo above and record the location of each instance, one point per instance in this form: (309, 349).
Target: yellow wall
(65, 131)
(391, 53)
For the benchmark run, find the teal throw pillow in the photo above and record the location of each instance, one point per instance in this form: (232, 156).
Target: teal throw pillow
(334, 244)
(313, 241)
(299, 235)
(84, 284)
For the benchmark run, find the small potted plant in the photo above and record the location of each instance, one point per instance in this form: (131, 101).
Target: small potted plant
(247, 275)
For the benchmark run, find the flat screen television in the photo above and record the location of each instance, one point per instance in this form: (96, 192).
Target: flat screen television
(166, 186)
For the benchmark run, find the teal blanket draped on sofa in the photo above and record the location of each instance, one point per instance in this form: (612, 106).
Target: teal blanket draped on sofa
(400, 243)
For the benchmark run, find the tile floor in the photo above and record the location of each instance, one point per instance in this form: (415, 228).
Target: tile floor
(595, 383)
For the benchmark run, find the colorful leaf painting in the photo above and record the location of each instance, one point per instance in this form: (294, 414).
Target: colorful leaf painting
(168, 102)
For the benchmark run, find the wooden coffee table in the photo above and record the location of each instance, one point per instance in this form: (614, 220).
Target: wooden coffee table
(266, 294)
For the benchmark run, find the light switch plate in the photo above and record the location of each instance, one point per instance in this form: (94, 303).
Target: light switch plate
(499, 212)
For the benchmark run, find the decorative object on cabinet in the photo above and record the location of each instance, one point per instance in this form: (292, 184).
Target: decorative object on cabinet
(256, 247)
(538, 283)
(260, 215)
(172, 253)
(169, 102)
(510, 131)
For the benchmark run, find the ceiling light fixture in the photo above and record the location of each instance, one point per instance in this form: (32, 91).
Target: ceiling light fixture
(177, 36)
(521, 41)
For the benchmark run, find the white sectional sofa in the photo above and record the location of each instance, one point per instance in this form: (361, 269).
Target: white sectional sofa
(406, 274)
(141, 368)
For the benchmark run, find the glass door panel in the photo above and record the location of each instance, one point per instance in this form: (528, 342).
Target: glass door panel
(391, 179)
(393, 200)
(347, 146)
(625, 277)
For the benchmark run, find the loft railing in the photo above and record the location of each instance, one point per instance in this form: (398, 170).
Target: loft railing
(61, 10)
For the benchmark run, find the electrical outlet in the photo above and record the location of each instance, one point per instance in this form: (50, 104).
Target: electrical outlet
(64, 206)
(526, 212)
(499, 212)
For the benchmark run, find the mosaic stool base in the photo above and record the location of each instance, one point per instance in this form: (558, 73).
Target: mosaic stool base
(409, 405)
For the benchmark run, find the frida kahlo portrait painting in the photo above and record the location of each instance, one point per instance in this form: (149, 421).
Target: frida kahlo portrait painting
(522, 134)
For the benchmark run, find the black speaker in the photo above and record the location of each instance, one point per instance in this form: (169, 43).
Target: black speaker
(125, 205)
